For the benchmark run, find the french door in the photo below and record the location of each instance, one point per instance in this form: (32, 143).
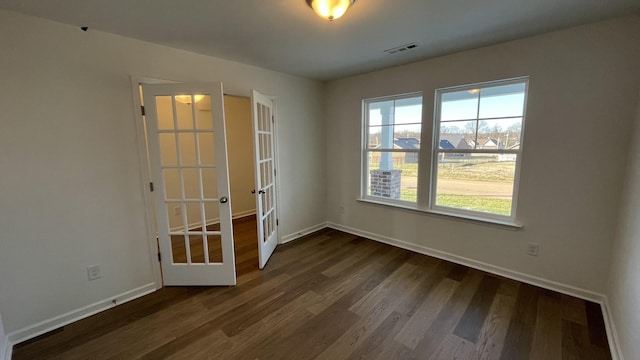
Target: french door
(187, 148)
(264, 147)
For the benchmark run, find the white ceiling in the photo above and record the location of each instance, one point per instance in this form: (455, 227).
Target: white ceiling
(287, 36)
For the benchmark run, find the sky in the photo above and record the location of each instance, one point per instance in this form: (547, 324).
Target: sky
(455, 111)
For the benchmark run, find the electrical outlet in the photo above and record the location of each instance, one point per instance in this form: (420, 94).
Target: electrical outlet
(533, 249)
(93, 272)
(177, 210)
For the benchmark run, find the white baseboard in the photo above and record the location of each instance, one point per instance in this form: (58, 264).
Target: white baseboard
(612, 333)
(243, 214)
(45, 326)
(303, 232)
(515, 275)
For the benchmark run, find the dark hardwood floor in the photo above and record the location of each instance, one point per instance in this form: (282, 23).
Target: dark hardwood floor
(333, 295)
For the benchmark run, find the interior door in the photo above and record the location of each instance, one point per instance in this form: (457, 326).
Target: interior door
(187, 147)
(264, 145)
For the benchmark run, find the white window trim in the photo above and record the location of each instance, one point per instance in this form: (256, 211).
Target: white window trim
(471, 214)
(364, 150)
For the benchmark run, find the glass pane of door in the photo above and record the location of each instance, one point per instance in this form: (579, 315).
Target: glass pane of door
(188, 164)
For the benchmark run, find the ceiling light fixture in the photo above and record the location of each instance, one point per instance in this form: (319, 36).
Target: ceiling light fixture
(330, 9)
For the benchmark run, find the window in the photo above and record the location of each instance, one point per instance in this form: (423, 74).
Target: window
(391, 147)
(477, 152)
(471, 168)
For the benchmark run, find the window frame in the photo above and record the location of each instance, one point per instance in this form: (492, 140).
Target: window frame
(365, 151)
(435, 152)
(428, 156)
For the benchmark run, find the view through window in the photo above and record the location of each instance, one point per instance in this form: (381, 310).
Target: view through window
(393, 127)
(478, 147)
(474, 159)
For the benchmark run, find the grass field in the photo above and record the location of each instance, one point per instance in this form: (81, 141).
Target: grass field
(470, 202)
(476, 169)
(482, 169)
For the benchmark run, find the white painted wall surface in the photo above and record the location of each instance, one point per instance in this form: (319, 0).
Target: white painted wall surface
(582, 97)
(71, 191)
(623, 292)
(237, 113)
(4, 343)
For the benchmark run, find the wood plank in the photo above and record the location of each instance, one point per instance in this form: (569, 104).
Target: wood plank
(474, 316)
(491, 339)
(547, 334)
(458, 272)
(595, 321)
(417, 326)
(380, 342)
(449, 316)
(517, 344)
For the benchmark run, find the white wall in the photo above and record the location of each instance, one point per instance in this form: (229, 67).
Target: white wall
(624, 281)
(71, 193)
(4, 344)
(582, 97)
(237, 114)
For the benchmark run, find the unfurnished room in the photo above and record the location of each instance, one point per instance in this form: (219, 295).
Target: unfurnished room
(320, 179)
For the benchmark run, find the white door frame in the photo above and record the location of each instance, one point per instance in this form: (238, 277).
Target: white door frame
(145, 166)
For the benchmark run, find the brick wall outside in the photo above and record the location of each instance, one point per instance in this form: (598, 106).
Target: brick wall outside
(386, 183)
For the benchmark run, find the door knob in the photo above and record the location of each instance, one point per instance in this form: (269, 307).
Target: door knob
(253, 191)
(261, 192)
(223, 199)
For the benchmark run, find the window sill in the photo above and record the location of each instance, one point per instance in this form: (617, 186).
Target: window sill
(451, 216)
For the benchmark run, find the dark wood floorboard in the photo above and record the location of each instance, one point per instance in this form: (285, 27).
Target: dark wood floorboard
(333, 295)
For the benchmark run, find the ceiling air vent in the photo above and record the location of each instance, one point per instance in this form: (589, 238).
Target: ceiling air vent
(401, 48)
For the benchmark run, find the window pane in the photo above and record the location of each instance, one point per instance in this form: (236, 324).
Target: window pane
(502, 101)
(457, 135)
(477, 182)
(191, 183)
(187, 148)
(378, 110)
(401, 137)
(393, 175)
(168, 149)
(172, 184)
(395, 124)
(174, 216)
(500, 134)
(204, 119)
(164, 107)
(206, 147)
(459, 105)
(184, 111)
(408, 111)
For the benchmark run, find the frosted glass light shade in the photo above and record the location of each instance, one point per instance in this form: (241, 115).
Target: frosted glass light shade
(330, 9)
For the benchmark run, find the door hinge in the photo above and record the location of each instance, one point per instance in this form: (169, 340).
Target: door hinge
(142, 110)
(273, 119)
(274, 172)
(159, 257)
(277, 222)
(151, 186)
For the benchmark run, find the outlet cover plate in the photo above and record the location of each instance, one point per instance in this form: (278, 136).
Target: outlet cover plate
(533, 249)
(93, 272)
